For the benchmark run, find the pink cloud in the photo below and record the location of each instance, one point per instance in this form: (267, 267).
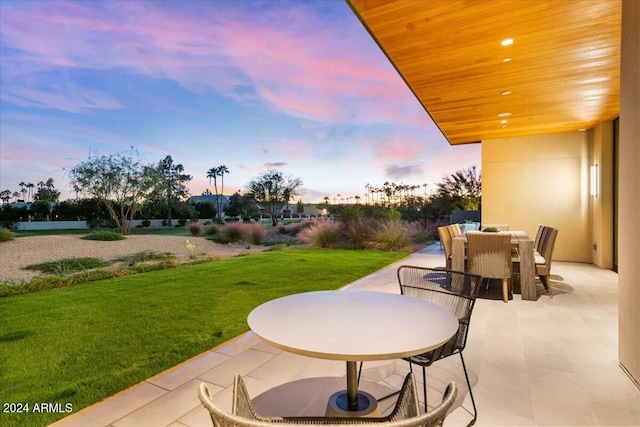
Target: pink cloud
(399, 148)
(302, 67)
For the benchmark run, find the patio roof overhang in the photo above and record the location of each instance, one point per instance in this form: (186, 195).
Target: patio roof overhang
(563, 74)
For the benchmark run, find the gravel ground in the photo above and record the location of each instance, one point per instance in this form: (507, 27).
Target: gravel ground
(23, 251)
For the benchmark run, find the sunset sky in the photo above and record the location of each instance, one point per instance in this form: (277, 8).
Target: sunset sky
(297, 86)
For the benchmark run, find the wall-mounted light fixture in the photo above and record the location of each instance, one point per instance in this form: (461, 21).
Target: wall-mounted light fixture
(594, 180)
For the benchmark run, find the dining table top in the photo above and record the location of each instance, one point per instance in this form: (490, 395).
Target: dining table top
(353, 325)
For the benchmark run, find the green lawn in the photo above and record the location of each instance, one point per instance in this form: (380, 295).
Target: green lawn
(84, 343)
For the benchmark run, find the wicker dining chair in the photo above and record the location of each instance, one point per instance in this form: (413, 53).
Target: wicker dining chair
(446, 239)
(489, 255)
(406, 412)
(543, 253)
(453, 290)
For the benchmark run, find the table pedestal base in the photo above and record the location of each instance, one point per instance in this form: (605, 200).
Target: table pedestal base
(338, 406)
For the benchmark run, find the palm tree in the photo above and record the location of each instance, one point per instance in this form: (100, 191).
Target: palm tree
(15, 196)
(222, 169)
(22, 189)
(30, 186)
(213, 173)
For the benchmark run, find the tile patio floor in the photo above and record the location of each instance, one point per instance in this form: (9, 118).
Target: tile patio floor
(549, 362)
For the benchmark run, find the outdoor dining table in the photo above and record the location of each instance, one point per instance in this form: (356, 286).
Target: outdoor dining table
(524, 250)
(353, 326)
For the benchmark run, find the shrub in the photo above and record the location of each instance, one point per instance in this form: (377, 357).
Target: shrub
(392, 236)
(67, 265)
(6, 235)
(359, 232)
(322, 234)
(139, 257)
(294, 228)
(233, 232)
(103, 235)
(351, 213)
(195, 228)
(255, 233)
(182, 222)
(280, 240)
(145, 223)
(211, 230)
(420, 234)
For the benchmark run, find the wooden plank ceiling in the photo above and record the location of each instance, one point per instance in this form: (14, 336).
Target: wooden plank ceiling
(563, 73)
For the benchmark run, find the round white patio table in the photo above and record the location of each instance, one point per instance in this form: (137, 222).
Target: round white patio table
(353, 326)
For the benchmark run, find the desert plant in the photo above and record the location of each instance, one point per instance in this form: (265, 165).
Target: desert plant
(67, 265)
(359, 232)
(211, 230)
(143, 256)
(6, 235)
(391, 236)
(279, 240)
(103, 235)
(294, 228)
(233, 232)
(420, 234)
(195, 228)
(255, 233)
(322, 234)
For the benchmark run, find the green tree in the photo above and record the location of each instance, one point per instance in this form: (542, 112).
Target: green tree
(243, 206)
(64, 211)
(47, 192)
(5, 195)
(170, 184)
(41, 209)
(205, 209)
(461, 190)
(120, 181)
(273, 190)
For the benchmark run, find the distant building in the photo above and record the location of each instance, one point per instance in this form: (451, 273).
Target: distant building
(213, 198)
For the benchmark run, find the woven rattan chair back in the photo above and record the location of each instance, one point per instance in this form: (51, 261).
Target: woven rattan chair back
(489, 254)
(547, 243)
(445, 238)
(404, 414)
(455, 230)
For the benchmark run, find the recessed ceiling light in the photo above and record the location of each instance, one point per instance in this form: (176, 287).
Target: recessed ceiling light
(504, 122)
(505, 114)
(581, 130)
(506, 42)
(505, 92)
(507, 59)
(504, 126)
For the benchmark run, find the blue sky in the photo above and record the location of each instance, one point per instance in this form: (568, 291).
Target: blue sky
(297, 86)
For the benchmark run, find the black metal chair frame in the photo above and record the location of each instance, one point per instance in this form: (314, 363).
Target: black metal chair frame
(454, 290)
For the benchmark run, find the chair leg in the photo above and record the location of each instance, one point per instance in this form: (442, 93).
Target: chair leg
(544, 278)
(505, 290)
(473, 401)
(424, 388)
